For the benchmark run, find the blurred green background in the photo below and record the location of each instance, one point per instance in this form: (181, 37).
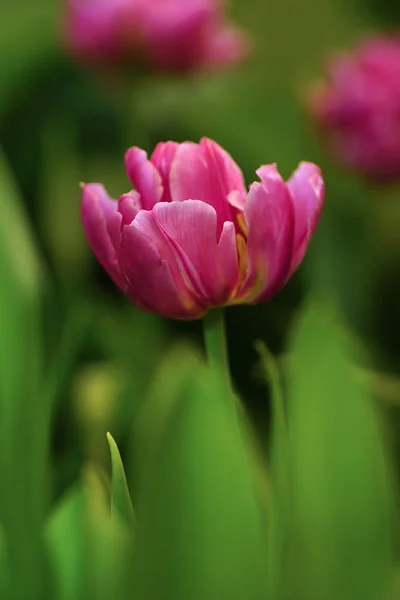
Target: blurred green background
(76, 360)
(61, 123)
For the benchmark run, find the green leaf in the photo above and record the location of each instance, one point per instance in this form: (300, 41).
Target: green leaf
(169, 385)
(60, 197)
(24, 423)
(278, 508)
(121, 504)
(343, 509)
(89, 550)
(18, 244)
(3, 563)
(200, 525)
(121, 336)
(279, 433)
(73, 333)
(108, 542)
(65, 536)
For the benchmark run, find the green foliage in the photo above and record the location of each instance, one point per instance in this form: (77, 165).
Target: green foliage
(20, 258)
(200, 532)
(121, 504)
(24, 425)
(343, 524)
(279, 463)
(88, 548)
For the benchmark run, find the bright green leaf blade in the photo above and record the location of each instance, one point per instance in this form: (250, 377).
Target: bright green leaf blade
(121, 503)
(109, 544)
(89, 551)
(200, 531)
(343, 482)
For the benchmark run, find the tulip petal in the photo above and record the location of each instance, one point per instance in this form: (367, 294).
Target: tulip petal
(206, 172)
(97, 210)
(270, 220)
(147, 225)
(191, 227)
(144, 176)
(162, 157)
(129, 205)
(227, 171)
(307, 188)
(114, 227)
(148, 264)
(237, 200)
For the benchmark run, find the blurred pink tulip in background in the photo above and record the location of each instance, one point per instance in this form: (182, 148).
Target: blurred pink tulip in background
(357, 108)
(172, 35)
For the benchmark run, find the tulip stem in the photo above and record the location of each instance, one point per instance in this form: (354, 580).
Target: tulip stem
(215, 343)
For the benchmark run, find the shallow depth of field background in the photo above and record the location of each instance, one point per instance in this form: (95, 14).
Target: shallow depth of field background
(61, 123)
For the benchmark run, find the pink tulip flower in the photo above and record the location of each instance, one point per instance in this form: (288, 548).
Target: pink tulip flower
(165, 34)
(190, 237)
(357, 108)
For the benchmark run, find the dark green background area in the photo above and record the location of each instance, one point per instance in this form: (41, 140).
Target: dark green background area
(61, 123)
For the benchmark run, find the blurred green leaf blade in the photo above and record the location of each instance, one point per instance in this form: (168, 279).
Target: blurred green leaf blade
(89, 550)
(200, 528)
(343, 510)
(17, 240)
(278, 462)
(24, 424)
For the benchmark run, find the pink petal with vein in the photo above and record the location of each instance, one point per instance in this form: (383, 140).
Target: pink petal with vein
(191, 227)
(144, 176)
(152, 272)
(96, 209)
(270, 220)
(307, 188)
(205, 172)
(162, 157)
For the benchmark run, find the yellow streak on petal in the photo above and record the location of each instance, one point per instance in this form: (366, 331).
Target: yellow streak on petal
(190, 305)
(242, 224)
(241, 246)
(243, 257)
(257, 287)
(259, 284)
(188, 302)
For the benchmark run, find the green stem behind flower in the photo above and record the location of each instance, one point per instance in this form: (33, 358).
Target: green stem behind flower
(215, 343)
